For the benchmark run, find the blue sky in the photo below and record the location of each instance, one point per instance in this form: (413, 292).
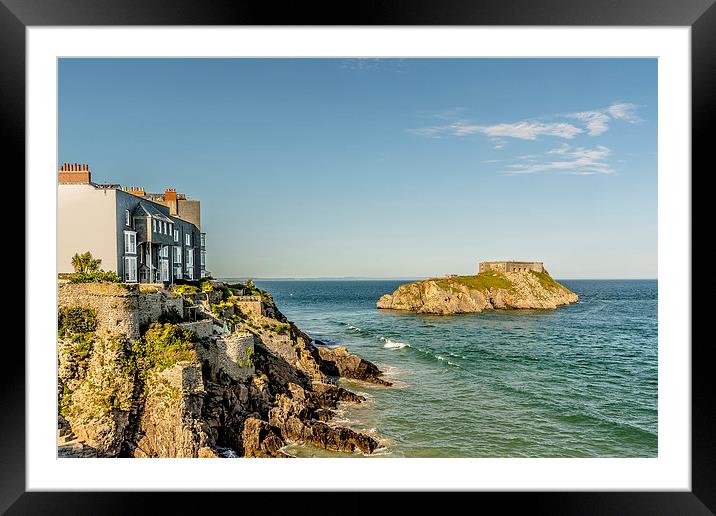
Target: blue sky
(384, 168)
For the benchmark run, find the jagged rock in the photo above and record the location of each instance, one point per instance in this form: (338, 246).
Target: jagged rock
(486, 291)
(293, 416)
(352, 366)
(328, 396)
(261, 440)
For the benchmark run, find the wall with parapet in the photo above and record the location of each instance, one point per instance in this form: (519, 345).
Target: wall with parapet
(116, 304)
(202, 329)
(507, 266)
(119, 307)
(152, 305)
(230, 354)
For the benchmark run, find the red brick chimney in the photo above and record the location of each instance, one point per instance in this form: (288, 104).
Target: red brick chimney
(170, 194)
(74, 174)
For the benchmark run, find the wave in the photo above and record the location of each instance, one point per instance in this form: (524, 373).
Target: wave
(394, 344)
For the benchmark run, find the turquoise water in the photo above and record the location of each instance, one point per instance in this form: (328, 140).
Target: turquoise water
(580, 381)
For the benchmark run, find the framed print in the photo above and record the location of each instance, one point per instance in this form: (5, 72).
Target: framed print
(454, 239)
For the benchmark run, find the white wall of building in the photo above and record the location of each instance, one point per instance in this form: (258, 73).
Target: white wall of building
(86, 221)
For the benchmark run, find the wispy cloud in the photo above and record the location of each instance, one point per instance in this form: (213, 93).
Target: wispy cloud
(624, 111)
(580, 161)
(526, 130)
(597, 121)
(593, 122)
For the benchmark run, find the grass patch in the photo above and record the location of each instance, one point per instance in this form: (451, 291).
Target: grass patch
(483, 281)
(547, 281)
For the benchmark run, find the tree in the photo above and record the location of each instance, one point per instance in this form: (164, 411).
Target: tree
(84, 263)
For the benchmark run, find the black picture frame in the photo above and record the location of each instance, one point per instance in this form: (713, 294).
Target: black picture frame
(17, 15)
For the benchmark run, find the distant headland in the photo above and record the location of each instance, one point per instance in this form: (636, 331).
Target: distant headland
(498, 285)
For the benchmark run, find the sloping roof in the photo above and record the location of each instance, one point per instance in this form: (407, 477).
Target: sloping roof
(147, 210)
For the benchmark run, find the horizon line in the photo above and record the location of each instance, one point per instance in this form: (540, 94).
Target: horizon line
(393, 278)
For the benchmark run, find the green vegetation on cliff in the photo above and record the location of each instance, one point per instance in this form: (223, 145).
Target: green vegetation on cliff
(547, 281)
(75, 320)
(162, 346)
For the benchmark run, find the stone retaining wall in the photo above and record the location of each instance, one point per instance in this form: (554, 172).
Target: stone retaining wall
(203, 329)
(116, 304)
(230, 354)
(119, 307)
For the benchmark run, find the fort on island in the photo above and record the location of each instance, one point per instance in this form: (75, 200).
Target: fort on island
(511, 266)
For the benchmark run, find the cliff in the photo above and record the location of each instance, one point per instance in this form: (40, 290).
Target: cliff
(485, 291)
(195, 373)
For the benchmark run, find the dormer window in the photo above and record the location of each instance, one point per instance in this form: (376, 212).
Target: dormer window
(154, 225)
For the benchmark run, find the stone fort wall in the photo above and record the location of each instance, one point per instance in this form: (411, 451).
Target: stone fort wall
(511, 266)
(120, 308)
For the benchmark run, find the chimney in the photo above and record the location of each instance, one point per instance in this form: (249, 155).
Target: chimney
(74, 174)
(170, 194)
(136, 190)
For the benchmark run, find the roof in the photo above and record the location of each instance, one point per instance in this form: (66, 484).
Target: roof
(147, 210)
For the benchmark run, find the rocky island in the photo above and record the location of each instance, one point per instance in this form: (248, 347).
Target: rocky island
(196, 370)
(498, 285)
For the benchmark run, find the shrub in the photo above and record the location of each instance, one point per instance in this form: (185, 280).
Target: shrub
(163, 345)
(185, 289)
(206, 286)
(98, 276)
(76, 320)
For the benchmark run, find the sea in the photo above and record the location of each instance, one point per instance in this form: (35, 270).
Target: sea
(578, 381)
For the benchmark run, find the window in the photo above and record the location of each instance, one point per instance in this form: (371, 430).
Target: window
(190, 258)
(154, 225)
(171, 226)
(127, 219)
(203, 240)
(164, 252)
(187, 239)
(190, 274)
(130, 268)
(166, 231)
(130, 242)
(177, 272)
(202, 258)
(176, 235)
(177, 254)
(165, 270)
(203, 273)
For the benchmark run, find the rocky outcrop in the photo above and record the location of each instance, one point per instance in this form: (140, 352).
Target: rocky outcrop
(486, 291)
(261, 439)
(253, 384)
(293, 415)
(349, 365)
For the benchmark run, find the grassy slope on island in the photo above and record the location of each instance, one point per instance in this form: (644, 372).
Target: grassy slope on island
(482, 281)
(494, 280)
